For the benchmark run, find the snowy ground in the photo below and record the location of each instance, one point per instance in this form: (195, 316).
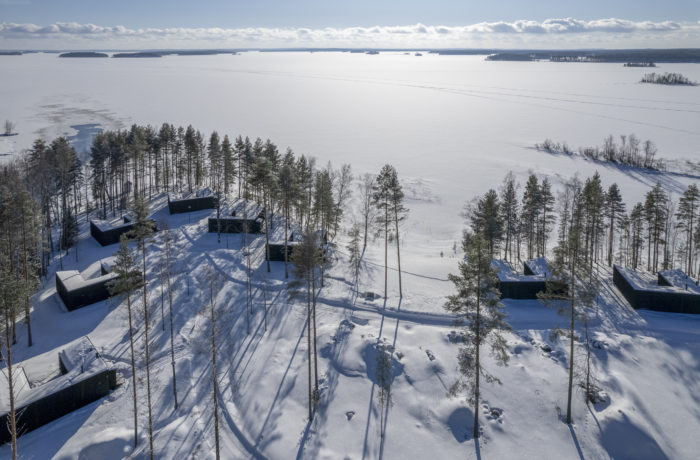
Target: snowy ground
(646, 363)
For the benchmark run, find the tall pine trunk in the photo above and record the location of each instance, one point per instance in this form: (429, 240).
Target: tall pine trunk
(478, 358)
(572, 296)
(146, 319)
(172, 339)
(398, 250)
(27, 306)
(386, 245)
(10, 381)
(313, 297)
(308, 341)
(133, 370)
(213, 370)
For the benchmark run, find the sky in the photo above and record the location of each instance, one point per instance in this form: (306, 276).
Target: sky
(152, 24)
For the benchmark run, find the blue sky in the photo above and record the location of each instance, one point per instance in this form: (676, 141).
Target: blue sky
(511, 23)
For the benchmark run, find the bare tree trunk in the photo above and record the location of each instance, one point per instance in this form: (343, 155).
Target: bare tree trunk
(213, 366)
(10, 381)
(267, 234)
(477, 361)
(572, 296)
(308, 342)
(133, 369)
(398, 250)
(146, 319)
(313, 297)
(172, 340)
(386, 245)
(27, 306)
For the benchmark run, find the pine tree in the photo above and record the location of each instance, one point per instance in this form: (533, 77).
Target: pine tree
(614, 209)
(387, 198)
(530, 212)
(229, 164)
(476, 304)
(655, 209)
(289, 190)
(547, 217)
(307, 258)
(128, 281)
(687, 215)
(211, 282)
(486, 220)
(342, 193)
(143, 229)
(265, 181)
(636, 233)
(367, 210)
(11, 299)
(168, 260)
(570, 270)
(355, 254)
(509, 214)
(593, 197)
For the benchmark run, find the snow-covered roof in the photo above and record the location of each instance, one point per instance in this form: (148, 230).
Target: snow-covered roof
(647, 282)
(105, 225)
(42, 375)
(680, 280)
(506, 272)
(191, 195)
(106, 264)
(241, 208)
(539, 266)
(72, 279)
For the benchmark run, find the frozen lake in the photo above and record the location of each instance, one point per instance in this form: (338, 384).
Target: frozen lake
(452, 125)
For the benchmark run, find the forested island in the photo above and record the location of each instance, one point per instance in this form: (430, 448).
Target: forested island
(137, 55)
(10, 53)
(83, 54)
(640, 64)
(617, 56)
(667, 79)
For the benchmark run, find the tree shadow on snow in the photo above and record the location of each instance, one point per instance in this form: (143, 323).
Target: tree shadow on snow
(622, 439)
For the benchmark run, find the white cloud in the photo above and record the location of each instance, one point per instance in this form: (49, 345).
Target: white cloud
(564, 32)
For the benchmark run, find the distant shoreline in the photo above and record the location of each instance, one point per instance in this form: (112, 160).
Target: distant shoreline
(632, 57)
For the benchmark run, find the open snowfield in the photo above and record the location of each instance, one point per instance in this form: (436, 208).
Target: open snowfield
(453, 127)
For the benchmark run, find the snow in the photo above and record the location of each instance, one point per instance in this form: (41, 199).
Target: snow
(345, 108)
(679, 279)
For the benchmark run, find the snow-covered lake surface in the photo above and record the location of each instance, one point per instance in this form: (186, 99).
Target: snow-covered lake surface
(453, 126)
